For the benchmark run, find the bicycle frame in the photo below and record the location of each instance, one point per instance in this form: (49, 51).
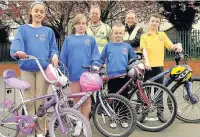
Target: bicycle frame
(54, 101)
(84, 96)
(168, 81)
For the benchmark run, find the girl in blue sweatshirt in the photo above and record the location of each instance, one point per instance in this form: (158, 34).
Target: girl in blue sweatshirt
(79, 49)
(39, 41)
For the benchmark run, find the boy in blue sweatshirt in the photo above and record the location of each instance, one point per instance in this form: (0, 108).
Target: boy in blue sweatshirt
(116, 54)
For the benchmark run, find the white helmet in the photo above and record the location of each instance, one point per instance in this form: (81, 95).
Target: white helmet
(136, 70)
(54, 74)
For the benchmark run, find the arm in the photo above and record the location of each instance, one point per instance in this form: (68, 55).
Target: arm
(136, 41)
(131, 53)
(17, 45)
(95, 53)
(53, 50)
(143, 46)
(53, 45)
(170, 46)
(64, 53)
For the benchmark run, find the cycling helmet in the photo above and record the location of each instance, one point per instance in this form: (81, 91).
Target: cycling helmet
(54, 74)
(136, 70)
(181, 73)
(90, 82)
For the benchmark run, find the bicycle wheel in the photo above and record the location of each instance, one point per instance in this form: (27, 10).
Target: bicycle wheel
(7, 130)
(156, 117)
(70, 119)
(123, 118)
(187, 111)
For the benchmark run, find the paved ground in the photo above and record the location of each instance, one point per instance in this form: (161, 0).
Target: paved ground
(177, 129)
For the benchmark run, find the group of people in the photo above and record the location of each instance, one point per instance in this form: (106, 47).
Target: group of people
(91, 43)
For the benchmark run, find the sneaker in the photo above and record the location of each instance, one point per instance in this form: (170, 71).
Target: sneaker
(77, 129)
(113, 125)
(40, 135)
(30, 136)
(161, 117)
(124, 124)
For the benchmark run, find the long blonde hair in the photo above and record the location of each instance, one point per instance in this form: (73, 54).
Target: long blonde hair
(77, 18)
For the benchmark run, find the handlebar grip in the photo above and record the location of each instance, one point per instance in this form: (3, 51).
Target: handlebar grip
(86, 67)
(17, 57)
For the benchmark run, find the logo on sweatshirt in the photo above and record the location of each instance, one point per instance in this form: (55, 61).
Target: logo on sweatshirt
(87, 42)
(124, 51)
(161, 38)
(42, 37)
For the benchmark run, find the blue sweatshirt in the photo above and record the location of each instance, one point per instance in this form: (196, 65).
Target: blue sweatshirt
(39, 42)
(116, 56)
(78, 51)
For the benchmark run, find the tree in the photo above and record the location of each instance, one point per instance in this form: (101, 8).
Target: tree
(60, 14)
(182, 14)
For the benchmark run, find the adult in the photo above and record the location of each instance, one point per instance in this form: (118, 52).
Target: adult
(133, 32)
(97, 28)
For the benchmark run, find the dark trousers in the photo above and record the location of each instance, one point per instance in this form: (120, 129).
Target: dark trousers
(151, 73)
(116, 84)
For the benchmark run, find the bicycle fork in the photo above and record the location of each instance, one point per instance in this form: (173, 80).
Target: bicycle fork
(144, 97)
(189, 93)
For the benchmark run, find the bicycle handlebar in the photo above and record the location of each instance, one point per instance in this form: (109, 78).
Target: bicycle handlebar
(40, 67)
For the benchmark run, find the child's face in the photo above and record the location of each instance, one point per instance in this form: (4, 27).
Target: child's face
(118, 34)
(38, 13)
(80, 27)
(154, 23)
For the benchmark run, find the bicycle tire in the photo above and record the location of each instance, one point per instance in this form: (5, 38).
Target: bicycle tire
(174, 90)
(70, 111)
(132, 113)
(174, 112)
(14, 133)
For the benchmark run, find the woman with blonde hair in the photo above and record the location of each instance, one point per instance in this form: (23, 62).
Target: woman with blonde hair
(133, 32)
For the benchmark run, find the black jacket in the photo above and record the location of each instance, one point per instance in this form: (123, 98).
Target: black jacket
(136, 41)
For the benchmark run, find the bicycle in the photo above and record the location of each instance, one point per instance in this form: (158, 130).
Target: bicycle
(63, 119)
(112, 114)
(183, 90)
(145, 103)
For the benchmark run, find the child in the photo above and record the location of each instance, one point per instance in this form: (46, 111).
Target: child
(39, 41)
(116, 54)
(79, 50)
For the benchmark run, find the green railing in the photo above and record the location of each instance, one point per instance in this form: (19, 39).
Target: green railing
(189, 39)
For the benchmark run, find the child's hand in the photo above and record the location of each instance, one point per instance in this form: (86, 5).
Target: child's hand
(147, 66)
(21, 54)
(95, 68)
(54, 61)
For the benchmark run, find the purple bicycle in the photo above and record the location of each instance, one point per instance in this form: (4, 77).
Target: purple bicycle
(63, 121)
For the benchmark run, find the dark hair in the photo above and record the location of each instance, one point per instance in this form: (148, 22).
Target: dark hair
(29, 15)
(156, 15)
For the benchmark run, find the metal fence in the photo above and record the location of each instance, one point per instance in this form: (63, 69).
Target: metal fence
(189, 39)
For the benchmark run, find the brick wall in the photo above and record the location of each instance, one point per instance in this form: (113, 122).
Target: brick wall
(195, 65)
